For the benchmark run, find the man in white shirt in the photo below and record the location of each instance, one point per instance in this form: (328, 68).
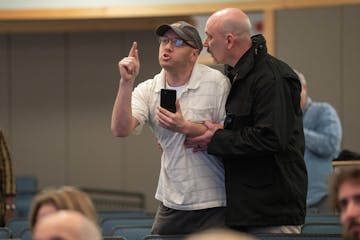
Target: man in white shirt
(191, 185)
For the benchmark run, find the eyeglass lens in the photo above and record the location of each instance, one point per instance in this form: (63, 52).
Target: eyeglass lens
(174, 41)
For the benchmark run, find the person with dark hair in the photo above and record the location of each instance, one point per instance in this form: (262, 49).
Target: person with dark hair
(345, 199)
(191, 187)
(262, 140)
(8, 188)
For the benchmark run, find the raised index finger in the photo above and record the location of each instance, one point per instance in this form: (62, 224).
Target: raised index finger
(134, 51)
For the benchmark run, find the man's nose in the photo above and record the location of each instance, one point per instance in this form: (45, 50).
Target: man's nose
(205, 43)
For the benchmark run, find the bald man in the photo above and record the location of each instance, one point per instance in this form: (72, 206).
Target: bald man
(223, 234)
(66, 225)
(262, 140)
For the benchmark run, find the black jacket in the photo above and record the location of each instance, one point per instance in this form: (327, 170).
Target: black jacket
(262, 144)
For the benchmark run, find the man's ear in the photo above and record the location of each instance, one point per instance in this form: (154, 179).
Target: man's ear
(195, 54)
(229, 38)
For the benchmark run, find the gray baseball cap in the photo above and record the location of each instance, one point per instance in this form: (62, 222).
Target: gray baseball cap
(185, 31)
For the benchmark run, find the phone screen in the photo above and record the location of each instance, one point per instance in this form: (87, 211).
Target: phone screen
(167, 99)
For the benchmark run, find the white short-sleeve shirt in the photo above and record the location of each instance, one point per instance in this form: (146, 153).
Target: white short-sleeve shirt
(188, 180)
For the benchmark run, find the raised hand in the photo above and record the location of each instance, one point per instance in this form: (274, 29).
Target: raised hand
(129, 66)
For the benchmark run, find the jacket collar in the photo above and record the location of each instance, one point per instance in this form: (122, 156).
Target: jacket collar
(247, 61)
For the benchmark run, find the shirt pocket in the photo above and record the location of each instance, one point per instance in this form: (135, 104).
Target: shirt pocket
(199, 114)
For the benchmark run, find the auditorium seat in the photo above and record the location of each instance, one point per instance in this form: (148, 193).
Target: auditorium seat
(17, 225)
(121, 213)
(131, 232)
(165, 237)
(303, 236)
(329, 228)
(108, 224)
(4, 233)
(322, 218)
(26, 188)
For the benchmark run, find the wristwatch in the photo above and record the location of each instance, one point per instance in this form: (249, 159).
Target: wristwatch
(11, 206)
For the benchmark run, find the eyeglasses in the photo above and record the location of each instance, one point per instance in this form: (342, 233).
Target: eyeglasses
(177, 42)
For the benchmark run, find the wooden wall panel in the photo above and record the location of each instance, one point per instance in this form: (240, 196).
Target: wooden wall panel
(124, 164)
(351, 76)
(310, 41)
(322, 43)
(37, 107)
(4, 86)
(91, 87)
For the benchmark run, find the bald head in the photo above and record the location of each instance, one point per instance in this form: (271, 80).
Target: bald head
(66, 225)
(228, 35)
(220, 234)
(232, 20)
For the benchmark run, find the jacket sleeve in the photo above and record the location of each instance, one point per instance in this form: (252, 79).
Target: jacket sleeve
(273, 116)
(325, 140)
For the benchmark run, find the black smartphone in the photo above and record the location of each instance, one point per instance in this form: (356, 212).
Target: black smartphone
(167, 99)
